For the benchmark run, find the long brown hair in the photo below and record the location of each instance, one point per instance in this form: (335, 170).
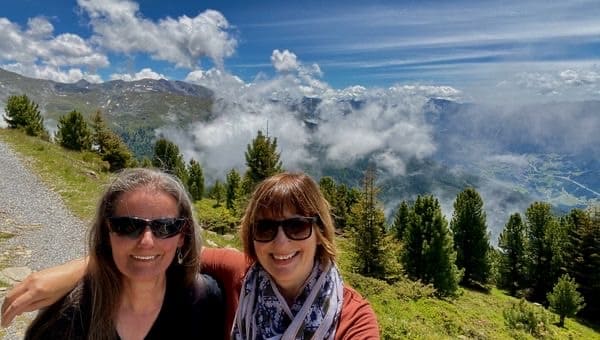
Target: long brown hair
(104, 277)
(298, 192)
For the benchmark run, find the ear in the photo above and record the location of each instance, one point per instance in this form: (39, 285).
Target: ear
(181, 240)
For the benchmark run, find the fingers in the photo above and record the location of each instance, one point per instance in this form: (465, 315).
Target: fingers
(24, 297)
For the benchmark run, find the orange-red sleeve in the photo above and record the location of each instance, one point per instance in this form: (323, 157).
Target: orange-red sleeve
(228, 266)
(358, 320)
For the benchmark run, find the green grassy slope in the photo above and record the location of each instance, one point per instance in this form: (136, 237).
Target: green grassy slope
(405, 309)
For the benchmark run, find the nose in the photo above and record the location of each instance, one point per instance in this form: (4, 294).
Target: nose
(281, 237)
(147, 238)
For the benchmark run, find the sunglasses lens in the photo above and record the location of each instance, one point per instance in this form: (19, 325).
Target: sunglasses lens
(166, 227)
(133, 227)
(297, 228)
(265, 230)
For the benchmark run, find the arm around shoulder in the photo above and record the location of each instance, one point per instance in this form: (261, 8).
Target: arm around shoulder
(358, 320)
(41, 289)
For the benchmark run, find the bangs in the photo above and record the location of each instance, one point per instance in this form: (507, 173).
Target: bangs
(277, 200)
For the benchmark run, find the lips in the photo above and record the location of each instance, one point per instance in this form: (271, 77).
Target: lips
(144, 257)
(284, 257)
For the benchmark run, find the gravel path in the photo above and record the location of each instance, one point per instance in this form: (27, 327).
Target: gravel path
(46, 233)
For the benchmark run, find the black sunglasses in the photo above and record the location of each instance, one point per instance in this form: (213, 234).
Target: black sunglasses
(296, 228)
(133, 227)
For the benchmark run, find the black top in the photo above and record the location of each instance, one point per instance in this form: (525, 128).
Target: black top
(193, 313)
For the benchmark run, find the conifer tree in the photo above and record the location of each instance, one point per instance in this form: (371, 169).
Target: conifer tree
(167, 158)
(541, 230)
(400, 220)
(195, 180)
(22, 113)
(329, 189)
(513, 264)
(346, 198)
(471, 240)
(109, 145)
(217, 192)
(336, 200)
(262, 158)
(564, 299)
(368, 222)
(429, 253)
(100, 132)
(73, 132)
(583, 258)
(232, 185)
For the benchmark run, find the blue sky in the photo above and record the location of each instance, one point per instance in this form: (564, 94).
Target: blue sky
(545, 48)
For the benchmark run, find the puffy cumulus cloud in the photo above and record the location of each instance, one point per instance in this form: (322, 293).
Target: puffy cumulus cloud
(578, 78)
(218, 80)
(69, 75)
(145, 73)
(568, 83)
(119, 26)
(307, 116)
(387, 126)
(285, 61)
(39, 27)
(36, 52)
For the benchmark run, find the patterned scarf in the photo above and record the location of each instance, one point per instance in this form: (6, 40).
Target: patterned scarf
(263, 313)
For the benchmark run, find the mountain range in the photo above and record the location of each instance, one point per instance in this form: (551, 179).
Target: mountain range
(548, 151)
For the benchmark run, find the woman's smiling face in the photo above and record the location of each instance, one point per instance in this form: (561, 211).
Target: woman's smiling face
(145, 257)
(289, 262)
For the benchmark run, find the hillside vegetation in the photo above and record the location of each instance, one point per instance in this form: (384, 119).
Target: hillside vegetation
(405, 309)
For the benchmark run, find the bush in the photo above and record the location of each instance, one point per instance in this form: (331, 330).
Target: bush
(529, 318)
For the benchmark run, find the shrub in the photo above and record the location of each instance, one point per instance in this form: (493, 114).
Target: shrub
(529, 318)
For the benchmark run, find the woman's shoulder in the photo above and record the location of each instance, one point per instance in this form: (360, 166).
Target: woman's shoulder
(358, 320)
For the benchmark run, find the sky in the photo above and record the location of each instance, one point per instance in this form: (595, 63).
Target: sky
(514, 59)
(546, 49)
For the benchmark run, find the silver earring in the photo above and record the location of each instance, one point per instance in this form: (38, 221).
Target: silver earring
(179, 256)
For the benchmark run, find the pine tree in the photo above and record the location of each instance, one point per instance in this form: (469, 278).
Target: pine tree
(195, 180)
(167, 158)
(400, 220)
(262, 158)
(513, 264)
(429, 253)
(109, 145)
(368, 222)
(583, 258)
(232, 185)
(73, 132)
(330, 191)
(22, 113)
(471, 240)
(564, 299)
(217, 192)
(100, 132)
(541, 227)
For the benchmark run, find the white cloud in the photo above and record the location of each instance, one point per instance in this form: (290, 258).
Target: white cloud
(285, 61)
(119, 26)
(69, 75)
(578, 78)
(35, 52)
(145, 73)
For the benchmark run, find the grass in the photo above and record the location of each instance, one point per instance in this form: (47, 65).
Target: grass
(405, 310)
